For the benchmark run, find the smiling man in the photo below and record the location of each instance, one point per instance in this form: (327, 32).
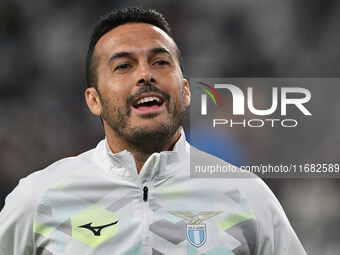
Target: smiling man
(139, 90)
(133, 193)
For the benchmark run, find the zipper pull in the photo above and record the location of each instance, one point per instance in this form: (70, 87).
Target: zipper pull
(145, 193)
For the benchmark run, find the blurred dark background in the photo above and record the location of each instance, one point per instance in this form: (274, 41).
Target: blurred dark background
(43, 113)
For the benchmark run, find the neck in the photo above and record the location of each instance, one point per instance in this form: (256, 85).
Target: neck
(140, 153)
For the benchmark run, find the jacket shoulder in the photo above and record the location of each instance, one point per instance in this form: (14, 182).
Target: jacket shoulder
(34, 185)
(205, 165)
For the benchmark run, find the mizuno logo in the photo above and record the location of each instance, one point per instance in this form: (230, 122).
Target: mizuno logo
(96, 230)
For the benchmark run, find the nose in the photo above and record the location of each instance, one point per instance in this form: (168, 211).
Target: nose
(145, 74)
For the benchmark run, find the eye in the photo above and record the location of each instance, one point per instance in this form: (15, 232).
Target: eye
(122, 66)
(162, 62)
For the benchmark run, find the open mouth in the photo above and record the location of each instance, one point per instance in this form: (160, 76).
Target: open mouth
(147, 103)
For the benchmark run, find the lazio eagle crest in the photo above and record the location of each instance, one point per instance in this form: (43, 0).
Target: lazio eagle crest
(196, 230)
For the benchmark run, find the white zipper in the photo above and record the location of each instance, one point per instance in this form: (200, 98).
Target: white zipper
(145, 221)
(145, 184)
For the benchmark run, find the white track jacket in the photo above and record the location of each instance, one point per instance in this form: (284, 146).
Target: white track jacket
(97, 204)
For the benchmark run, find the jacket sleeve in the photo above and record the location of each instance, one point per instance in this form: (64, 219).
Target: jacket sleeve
(275, 234)
(16, 221)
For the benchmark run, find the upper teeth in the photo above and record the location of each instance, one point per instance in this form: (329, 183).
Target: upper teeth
(148, 99)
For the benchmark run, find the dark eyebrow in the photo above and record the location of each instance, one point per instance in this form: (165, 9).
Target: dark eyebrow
(118, 55)
(124, 54)
(160, 50)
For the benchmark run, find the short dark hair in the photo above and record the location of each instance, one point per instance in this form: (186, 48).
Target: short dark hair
(115, 19)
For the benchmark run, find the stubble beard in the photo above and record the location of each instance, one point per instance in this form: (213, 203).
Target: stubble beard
(144, 139)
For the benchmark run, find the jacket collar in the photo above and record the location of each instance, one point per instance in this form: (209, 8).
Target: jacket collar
(158, 165)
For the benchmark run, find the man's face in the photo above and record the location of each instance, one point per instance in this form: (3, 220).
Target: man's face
(141, 88)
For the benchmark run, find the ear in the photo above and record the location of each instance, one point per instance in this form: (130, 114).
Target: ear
(187, 95)
(93, 101)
